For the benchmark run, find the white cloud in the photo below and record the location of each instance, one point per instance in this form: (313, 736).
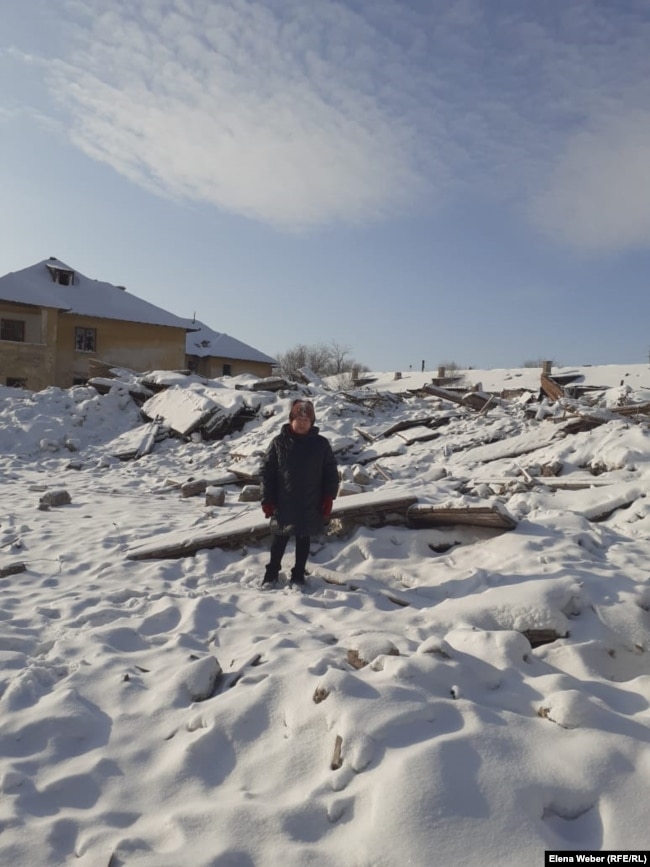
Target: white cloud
(588, 187)
(287, 118)
(301, 114)
(598, 195)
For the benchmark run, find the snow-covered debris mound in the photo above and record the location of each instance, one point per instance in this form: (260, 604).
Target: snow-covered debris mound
(451, 694)
(56, 419)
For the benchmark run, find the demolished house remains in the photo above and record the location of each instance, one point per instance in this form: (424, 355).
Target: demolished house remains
(463, 431)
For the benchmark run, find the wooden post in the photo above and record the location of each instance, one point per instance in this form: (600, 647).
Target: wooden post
(337, 758)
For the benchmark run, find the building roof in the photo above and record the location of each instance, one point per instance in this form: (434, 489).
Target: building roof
(206, 342)
(84, 296)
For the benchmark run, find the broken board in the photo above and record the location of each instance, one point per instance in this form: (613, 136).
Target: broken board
(478, 516)
(252, 525)
(418, 434)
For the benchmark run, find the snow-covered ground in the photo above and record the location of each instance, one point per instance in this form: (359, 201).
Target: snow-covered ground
(168, 712)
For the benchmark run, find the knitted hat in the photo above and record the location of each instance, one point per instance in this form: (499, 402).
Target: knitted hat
(302, 407)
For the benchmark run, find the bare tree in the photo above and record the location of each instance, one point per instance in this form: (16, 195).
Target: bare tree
(450, 366)
(319, 358)
(540, 362)
(340, 357)
(325, 359)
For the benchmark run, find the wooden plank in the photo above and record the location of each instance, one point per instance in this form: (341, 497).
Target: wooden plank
(631, 409)
(476, 400)
(390, 448)
(249, 525)
(507, 446)
(582, 420)
(473, 399)
(194, 488)
(538, 637)
(222, 534)
(270, 383)
(551, 389)
(247, 469)
(198, 486)
(580, 424)
(486, 405)
(567, 483)
(445, 394)
(419, 434)
(479, 516)
(12, 569)
(337, 758)
(386, 476)
(430, 422)
(366, 435)
(372, 503)
(406, 425)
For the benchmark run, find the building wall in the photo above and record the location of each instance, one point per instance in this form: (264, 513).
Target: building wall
(134, 345)
(213, 367)
(48, 356)
(34, 359)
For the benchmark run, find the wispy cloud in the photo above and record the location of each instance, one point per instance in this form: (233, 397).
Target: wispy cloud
(592, 191)
(598, 195)
(301, 114)
(287, 115)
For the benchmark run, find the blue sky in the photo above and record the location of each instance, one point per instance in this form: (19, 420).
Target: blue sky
(423, 180)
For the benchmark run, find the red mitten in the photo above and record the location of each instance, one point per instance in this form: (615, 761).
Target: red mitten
(326, 506)
(268, 509)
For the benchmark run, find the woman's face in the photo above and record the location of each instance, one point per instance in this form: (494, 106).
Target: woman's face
(301, 424)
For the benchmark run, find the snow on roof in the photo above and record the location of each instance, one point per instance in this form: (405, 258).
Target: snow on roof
(206, 342)
(84, 296)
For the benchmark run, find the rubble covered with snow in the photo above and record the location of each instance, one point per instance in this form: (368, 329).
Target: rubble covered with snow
(465, 679)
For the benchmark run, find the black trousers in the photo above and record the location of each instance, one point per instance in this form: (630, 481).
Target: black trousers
(279, 546)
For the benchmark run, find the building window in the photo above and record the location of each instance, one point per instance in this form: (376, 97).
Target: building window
(227, 370)
(85, 339)
(12, 329)
(62, 276)
(193, 366)
(16, 382)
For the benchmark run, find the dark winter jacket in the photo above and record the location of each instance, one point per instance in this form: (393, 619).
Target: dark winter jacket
(298, 472)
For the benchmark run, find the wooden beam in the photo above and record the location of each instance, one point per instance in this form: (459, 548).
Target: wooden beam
(631, 409)
(445, 394)
(420, 434)
(477, 401)
(538, 637)
(337, 758)
(12, 569)
(372, 503)
(406, 425)
(472, 399)
(479, 516)
(249, 525)
(550, 388)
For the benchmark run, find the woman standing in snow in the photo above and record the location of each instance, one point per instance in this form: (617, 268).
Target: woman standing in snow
(299, 484)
